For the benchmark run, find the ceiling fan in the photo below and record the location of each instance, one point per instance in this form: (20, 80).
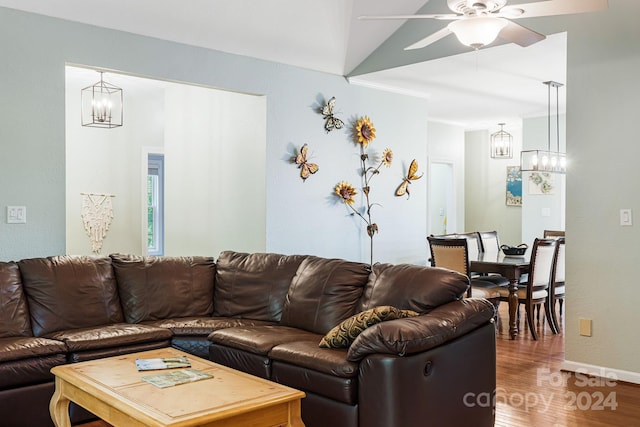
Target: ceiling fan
(478, 23)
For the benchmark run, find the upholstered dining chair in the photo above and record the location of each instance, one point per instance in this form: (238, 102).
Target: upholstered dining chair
(534, 292)
(453, 254)
(490, 242)
(556, 291)
(552, 234)
(476, 247)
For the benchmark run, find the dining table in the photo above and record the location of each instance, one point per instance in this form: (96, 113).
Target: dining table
(512, 268)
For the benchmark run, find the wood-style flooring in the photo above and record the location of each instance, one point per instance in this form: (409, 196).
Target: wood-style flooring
(532, 391)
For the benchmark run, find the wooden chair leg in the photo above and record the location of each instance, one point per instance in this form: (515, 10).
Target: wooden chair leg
(561, 302)
(532, 327)
(550, 313)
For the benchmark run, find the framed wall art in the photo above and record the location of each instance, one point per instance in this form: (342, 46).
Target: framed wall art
(514, 186)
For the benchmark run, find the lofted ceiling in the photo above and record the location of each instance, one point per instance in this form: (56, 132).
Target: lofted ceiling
(473, 89)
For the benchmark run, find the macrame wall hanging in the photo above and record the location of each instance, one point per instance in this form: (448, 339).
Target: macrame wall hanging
(97, 213)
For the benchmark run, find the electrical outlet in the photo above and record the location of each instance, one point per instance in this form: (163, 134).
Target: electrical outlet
(585, 327)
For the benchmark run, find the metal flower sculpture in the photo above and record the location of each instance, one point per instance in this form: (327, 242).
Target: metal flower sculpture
(363, 135)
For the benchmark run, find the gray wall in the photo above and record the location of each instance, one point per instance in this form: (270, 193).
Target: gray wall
(602, 143)
(486, 186)
(301, 217)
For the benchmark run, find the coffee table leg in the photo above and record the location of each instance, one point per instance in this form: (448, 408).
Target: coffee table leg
(295, 415)
(59, 406)
(513, 308)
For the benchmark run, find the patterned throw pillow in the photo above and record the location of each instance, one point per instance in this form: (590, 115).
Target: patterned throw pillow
(346, 332)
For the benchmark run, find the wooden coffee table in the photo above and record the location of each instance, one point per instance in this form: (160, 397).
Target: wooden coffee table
(112, 389)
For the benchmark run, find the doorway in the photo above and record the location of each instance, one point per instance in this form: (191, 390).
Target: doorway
(442, 214)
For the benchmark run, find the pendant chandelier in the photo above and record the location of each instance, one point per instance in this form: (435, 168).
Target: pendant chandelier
(501, 144)
(101, 105)
(546, 160)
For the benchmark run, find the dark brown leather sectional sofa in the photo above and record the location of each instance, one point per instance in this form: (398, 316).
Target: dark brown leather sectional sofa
(264, 314)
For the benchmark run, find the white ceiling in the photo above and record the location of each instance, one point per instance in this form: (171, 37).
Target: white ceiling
(475, 90)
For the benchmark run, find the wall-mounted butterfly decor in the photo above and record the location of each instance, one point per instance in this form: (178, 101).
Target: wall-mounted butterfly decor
(306, 168)
(332, 122)
(411, 176)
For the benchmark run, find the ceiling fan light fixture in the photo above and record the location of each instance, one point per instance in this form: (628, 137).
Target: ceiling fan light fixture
(478, 31)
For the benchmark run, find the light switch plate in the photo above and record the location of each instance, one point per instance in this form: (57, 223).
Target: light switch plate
(16, 214)
(625, 217)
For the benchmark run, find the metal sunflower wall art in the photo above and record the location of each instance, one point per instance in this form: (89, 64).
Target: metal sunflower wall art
(364, 134)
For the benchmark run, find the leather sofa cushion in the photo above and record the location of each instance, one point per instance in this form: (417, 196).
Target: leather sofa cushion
(99, 353)
(14, 316)
(403, 337)
(67, 292)
(253, 286)
(260, 339)
(411, 287)
(341, 389)
(16, 374)
(153, 288)
(116, 335)
(323, 293)
(29, 347)
(307, 354)
(251, 363)
(203, 326)
(28, 360)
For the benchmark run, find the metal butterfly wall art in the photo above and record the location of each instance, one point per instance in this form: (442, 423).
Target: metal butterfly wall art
(332, 122)
(411, 176)
(306, 168)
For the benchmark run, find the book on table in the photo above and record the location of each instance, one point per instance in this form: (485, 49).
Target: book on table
(169, 379)
(162, 363)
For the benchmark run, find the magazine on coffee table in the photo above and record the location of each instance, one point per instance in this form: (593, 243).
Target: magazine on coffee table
(168, 379)
(162, 363)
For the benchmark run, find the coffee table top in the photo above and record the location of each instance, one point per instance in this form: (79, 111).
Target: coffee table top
(116, 381)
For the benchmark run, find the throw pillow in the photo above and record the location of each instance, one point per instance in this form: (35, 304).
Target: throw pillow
(346, 332)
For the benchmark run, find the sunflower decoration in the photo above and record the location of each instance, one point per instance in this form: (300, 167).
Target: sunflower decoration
(365, 132)
(346, 192)
(387, 157)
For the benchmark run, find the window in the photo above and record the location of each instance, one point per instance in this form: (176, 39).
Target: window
(155, 204)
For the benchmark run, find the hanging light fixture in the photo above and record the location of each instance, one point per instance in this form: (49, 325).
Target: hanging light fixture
(501, 144)
(541, 160)
(101, 105)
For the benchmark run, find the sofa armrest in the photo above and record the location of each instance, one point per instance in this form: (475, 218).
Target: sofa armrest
(416, 334)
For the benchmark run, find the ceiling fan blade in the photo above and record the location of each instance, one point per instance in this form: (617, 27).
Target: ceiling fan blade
(445, 16)
(553, 7)
(430, 39)
(516, 33)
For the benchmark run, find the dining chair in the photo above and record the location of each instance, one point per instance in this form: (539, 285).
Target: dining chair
(476, 247)
(490, 242)
(556, 291)
(552, 234)
(453, 253)
(535, 291)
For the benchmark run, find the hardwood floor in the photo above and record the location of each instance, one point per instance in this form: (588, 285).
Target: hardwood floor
(532, 391)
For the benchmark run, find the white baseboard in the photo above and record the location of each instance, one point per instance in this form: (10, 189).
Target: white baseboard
(601, 371)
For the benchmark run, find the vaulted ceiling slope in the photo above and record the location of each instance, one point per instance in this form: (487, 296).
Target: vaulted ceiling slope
(327, 36)
(318, 35)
